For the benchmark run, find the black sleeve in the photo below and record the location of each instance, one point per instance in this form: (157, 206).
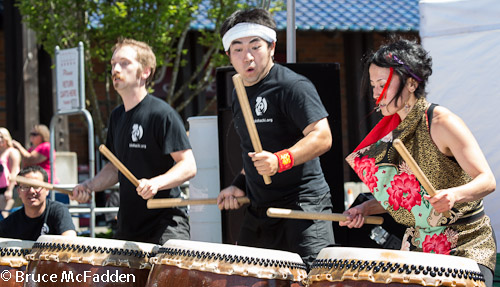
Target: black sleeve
(60, 219)
(175, 136)
(3, 229)
(15, 227)
(109, 135)
(304, 105)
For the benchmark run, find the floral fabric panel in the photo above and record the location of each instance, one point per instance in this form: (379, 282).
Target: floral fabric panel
(400, 193)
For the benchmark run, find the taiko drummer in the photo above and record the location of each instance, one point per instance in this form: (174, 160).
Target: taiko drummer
(148, 136)
(292, 125)
(444, 149)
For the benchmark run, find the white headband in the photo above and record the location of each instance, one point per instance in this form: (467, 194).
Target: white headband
(242, 30)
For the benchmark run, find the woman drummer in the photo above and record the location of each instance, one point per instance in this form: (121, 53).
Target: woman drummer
(442, 146)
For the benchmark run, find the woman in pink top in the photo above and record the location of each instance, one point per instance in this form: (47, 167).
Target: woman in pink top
(39, 152)
(10, 161)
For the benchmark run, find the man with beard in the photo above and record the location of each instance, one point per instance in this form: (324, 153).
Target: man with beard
(148, 136)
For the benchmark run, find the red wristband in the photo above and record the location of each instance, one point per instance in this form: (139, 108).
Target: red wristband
(285, 160)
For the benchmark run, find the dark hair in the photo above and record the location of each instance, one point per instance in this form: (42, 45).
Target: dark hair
(34, 168)
(256, 15)
(407, 58)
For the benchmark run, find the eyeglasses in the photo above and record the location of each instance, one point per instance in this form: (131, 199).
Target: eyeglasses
(34, 134)
(28, 188)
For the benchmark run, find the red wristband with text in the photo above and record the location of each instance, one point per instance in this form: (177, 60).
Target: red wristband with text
(285, 160)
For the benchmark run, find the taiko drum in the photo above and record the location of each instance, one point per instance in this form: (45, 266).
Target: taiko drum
(182, 263)
(346, 266)
(13, 260)
(82, 261)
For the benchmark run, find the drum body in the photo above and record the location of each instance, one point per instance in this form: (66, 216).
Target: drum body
(81, 261)
(345, 266)
(13, 260)
(183, 263)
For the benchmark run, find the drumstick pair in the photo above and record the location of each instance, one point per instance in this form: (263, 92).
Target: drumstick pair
(159, 202)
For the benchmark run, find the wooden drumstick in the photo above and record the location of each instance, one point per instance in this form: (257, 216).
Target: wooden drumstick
(249, 121)
(297, 214)
(38, 183)
(419, 174)
(116, 162)
(174, 202)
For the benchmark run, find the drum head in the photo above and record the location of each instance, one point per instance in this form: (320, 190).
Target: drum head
(384, 266)
(13, 252)
(93, 251)
(232, 260)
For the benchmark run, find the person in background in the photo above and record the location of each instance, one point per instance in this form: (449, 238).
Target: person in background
(10, 161)
(442, 146)
(39, 151)
(39, 215)
(293, 128)
(148, 136)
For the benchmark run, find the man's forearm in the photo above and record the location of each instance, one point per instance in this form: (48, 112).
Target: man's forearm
(107, 177)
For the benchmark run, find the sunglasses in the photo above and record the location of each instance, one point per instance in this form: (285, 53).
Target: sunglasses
(34, 134)
(28, 188)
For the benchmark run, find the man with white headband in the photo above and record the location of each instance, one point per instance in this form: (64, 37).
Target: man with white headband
(294, 132)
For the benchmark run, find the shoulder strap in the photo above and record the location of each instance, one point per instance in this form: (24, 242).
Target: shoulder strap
(430, 112)
(47, 210)
(45, 218)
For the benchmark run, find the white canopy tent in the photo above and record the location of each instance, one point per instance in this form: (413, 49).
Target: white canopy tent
(463, 38)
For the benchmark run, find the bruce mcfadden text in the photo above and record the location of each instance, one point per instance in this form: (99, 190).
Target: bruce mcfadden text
(73, 277)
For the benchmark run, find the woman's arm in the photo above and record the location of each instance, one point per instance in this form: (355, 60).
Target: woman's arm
(14, 166)
(453, 138)
(29, 158)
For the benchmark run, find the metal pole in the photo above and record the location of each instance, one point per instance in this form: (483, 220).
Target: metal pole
(290, 32)
(52, 137)
(90, 123)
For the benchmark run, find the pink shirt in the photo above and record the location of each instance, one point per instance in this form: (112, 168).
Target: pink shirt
(44, 149)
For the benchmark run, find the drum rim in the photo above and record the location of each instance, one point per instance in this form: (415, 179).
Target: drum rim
(85, 250)
(408, 257)
(388, 270)
(231, 249)
(186, 254)
(13, 252)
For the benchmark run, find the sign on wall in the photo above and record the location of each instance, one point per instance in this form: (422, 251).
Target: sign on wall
(69, 71)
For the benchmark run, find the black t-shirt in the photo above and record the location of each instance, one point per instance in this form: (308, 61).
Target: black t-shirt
(56, 217)
(283, 104)
(142, 139)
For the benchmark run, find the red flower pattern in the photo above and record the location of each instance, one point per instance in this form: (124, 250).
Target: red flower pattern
(437, 244)
(365, 168)
(404, 192)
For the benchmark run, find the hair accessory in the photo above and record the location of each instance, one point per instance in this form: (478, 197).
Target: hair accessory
(406, 68)
(242, 30)
(285, 160)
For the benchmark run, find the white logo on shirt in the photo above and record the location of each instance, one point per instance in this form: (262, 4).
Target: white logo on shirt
(136, 132)
(260, 106)
(45, 229)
